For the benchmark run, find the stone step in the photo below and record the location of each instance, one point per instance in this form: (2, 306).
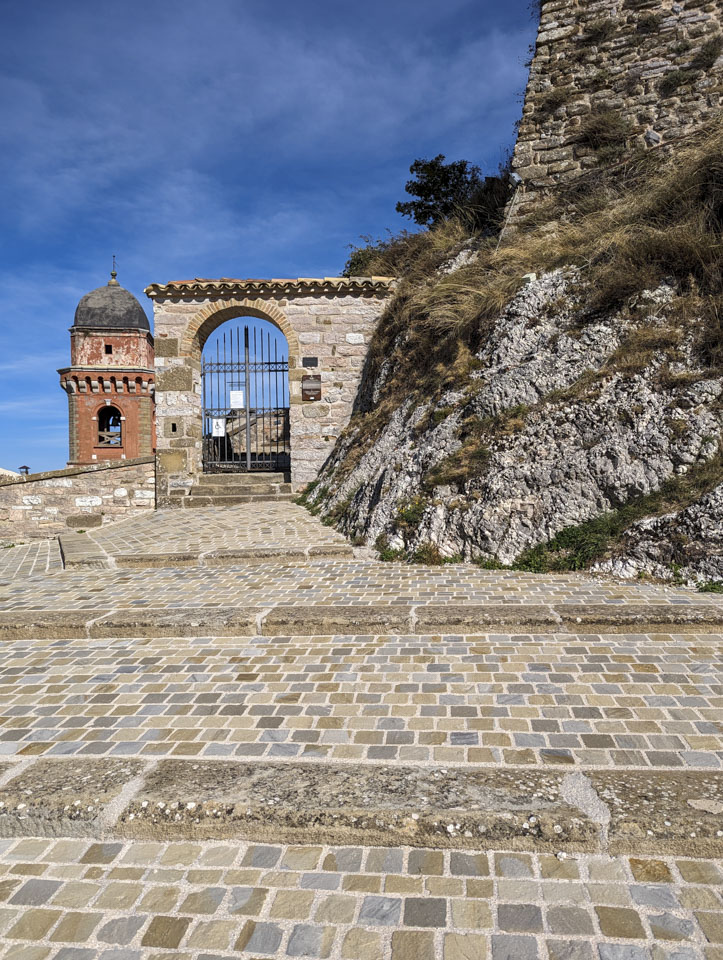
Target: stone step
(234, 489)
(214, 500)
(332, 619)
(604, 811)
(240, 479)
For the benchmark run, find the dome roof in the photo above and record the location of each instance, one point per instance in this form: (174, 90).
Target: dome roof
(109, 308)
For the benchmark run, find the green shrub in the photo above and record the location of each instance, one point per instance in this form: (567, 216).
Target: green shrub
(708, 53)
(605, 130)
(411, 513)
(649, 23)
(551, 100)
(712, 586)
(428, 553)
(600, 30)
(381, 545)
(675, 79)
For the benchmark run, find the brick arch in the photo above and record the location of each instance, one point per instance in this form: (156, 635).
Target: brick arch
(212, 315)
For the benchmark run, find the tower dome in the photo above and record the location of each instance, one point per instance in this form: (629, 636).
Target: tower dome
(111, 307)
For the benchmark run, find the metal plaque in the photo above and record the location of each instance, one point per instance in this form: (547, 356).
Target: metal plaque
(309, 361)
(311, 387)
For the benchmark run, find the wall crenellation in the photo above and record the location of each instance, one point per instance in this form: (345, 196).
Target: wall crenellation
(610, 77)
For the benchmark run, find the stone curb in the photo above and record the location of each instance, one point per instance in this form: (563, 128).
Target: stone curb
(608, 811)
(380, 619)
(79, 552)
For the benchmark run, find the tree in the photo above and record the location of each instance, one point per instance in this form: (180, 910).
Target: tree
(441, 189)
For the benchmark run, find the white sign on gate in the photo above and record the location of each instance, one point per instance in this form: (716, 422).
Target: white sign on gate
(237, 399)
(218, 427)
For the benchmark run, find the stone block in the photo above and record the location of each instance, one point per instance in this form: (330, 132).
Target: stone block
(166, 346)
(174, 378)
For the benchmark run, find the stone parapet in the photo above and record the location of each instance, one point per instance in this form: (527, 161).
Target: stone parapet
(79, 497)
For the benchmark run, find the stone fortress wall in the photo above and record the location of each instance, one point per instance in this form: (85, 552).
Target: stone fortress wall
(612, 76)
(45, 504)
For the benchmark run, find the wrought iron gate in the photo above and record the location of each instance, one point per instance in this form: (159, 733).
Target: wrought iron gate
(245, 404)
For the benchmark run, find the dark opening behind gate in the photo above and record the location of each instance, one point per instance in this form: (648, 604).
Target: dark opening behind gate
(245, 404)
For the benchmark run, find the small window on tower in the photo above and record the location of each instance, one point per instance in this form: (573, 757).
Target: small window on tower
(109, 348)
(109, 427)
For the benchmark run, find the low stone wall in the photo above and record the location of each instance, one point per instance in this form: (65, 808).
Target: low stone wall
(44, 504)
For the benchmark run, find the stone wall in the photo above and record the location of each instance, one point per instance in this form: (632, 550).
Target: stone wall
(45, 504)
(329, 320)
(610, 77)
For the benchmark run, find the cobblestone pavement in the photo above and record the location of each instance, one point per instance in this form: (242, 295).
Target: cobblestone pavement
(573, 741)
(590, 700)
(261, 526)
(71, 899)
(324, 581)
(33, 559)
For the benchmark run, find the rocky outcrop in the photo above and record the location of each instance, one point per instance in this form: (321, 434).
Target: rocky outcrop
(567, 416)
(687, 544)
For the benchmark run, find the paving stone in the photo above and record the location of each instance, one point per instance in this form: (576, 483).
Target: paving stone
(569, 950)
(74, 953)
(212, 934)
(35, 892)
(381, 911)
(292, 904)
(650, 871)
(514, 948)
(165, 932)
(666, 926)
(33, 924)
(656, 896)
(620, 923)
(412, 945)
(361, 944)
(711, 924)
(258, 937)
(75, 927)
(513, 865)
(469, 865)
(120, 930)
(617, 951)
(519, 917)
(471, 914)
(308, 941)
(569, 920)
(427, 912)
(464, 946)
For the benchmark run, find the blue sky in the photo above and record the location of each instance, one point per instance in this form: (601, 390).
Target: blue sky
(218, 138)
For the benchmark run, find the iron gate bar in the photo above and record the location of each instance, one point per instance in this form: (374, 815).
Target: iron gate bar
(266, 405)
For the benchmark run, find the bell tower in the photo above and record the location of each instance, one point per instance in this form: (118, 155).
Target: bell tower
(110, 380)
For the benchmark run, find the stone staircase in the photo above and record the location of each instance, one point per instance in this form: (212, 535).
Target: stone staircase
(227, 489)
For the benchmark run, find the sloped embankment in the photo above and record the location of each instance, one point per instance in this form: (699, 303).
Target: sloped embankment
(554, 403)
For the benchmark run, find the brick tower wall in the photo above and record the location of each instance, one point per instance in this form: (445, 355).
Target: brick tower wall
(652, 67)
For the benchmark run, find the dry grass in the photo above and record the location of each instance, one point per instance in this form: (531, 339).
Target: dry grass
(628, 228)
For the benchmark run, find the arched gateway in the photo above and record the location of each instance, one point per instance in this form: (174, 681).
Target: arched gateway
(327, 324)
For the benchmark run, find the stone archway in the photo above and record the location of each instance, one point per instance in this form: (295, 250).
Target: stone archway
(328, 324)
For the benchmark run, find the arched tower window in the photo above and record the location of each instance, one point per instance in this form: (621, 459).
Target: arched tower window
(109, 427)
